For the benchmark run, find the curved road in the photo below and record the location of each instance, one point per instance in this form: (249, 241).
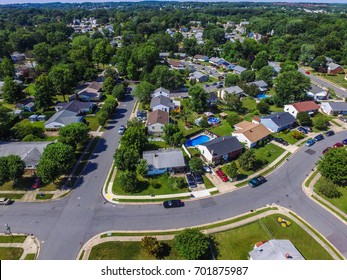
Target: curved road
(63, 225)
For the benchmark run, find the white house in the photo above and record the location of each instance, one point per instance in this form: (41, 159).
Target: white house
(163, 103)
(199, 77)
(161, 91)
(156, 121)
(275, 250)
(317, 93)
(334, 108)
(230, 90)
(309, 107)
(250, 133)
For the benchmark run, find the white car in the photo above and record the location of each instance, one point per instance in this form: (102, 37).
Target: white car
(5, 201)
(121, 130)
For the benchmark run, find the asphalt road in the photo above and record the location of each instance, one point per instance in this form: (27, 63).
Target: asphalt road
(63, 225)
(319, 82)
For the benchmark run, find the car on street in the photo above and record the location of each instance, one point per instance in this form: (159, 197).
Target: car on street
(325, 150)
(302, 130)
(338, 145)
(197, 177)
(121, 130)
(221, 175)
(173, 203)
(310, 142)
(190, 180)
(344, 141)
(318, 137)
(256, 181)
(5, 201)
(329, 133)
(307, 72)
(342, 118)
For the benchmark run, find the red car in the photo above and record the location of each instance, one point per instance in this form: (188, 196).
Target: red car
(221, 175)
(37, 183)
(308, 72)
(325, 150)
(338, 145)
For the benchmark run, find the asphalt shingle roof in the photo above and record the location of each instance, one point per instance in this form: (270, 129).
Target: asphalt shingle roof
(223, 145)
(281, 118)
(162, 100)
(164, 158)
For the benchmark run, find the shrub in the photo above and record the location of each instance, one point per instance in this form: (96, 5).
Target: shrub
(297, 135)
(328, 188)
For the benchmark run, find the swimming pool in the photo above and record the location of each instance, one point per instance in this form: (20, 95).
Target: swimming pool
(213, 120)
(262, 96)
(197, 140)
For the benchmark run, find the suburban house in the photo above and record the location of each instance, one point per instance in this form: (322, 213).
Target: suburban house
(161, 91)
(334, 108)
(29, 152)
(227, 65)
(277, 121)
(93, 92)
(239, 69)
(68, 113)
(33, 118)
(176, 64)
(156, 121)
(212, 98)
(163, 160)
(309, 107)
(334, 68)
(164, 55)
(275, 66)
(317, 93)
(29, 107)
(227, 147)
(16, 56)
(200, 57)
(216, 60)
(275, 249)
(163, 103)
(230, 90)
(250, 133)
(199, 77)
(262, 86)
(180, 55)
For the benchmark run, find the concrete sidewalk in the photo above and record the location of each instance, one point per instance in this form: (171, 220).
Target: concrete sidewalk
(87, 247)
(30, 245)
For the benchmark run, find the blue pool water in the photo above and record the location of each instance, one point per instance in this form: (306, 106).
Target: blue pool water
(197, 141)
(213, 120)
(262, 96)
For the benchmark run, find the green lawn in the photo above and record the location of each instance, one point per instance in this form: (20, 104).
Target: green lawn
(224, 129)
(45, 196)
(338, 80)
(93, 122)
(233, 244)
(146, 186)
(10, 253)
(249, 103)
(274, 108)
(187, 132)
(194, 152)
(12, 238)
(25, 183)
(30, 257)
(116, 250)
(269, 152)
(155, 145)
(12, 195)
(341, 202)
(287, 136)
(208, 183)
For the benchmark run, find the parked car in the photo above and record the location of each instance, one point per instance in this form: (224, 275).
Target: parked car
(5, 201)
(342, 118)
(318, 137)
(190, 181)
(207, 168)
(281, 141)
(219, 86)
(121, 130)
(197, 177)
(309, 129)
(344, 141)
(256, 181)
(302, 130)
(221, 175)
(325, 150)
(307, 72)
(37, 183)
(214, 83)
(310, 142)
(338, 145)
(173, 203)
(329, 133)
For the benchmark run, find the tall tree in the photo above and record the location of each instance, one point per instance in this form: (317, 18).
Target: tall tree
(248, 160)
(126, 158)
(62, 79)
(43, 92)
(261, 60)
(266, 73)
(198, 100)
(172, 135)
(196, 165)
(75, 135)
(11, 90)
(7, 68)
(136, 138)
(143, 92)
(102, 52)
(191, 244)
(333, 165)
(234, 102)
(15, 167)
(231, 80)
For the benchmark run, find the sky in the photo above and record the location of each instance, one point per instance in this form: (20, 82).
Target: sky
(74, 1)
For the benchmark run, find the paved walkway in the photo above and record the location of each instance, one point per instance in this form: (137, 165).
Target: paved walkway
(30, 246)
(87, 247)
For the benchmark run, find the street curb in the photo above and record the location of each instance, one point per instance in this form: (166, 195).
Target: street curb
(35, 239)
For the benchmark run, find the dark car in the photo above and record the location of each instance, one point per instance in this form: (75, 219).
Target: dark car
(197, 177)
(278, 140)
(256, 181)
(191, 181)
(344, 141)
(325, 150)
(338, 145)
(329, 133)
(302, 130)
(173, 203)
(285, 143)
(219, 86)
(37, 183)
(309, 129)
(318, 137)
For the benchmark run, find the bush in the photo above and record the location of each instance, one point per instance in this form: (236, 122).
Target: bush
(297, 135)
(321, 122)
(177, 183)
(152, 246)
(328, 188)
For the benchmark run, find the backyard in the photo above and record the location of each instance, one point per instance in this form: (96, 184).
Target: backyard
(93, 123)
(234, 244)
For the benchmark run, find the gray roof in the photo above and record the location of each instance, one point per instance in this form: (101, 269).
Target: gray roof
(281, 118)
(276, 250)
(223, 145)
(239, 69)
(164, 158)
(315, 89)
(75, 106)
(162, 100)
(29, 152)
(234, 90)
(259, 83)
(212, 96)
(161, 89)
(338, 106)
(198, 75)
(333, 66)
(64, 117)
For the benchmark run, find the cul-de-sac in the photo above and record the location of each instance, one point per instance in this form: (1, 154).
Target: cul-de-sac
(163, 130)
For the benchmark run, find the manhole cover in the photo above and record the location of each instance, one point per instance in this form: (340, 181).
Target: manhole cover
(310, 152)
